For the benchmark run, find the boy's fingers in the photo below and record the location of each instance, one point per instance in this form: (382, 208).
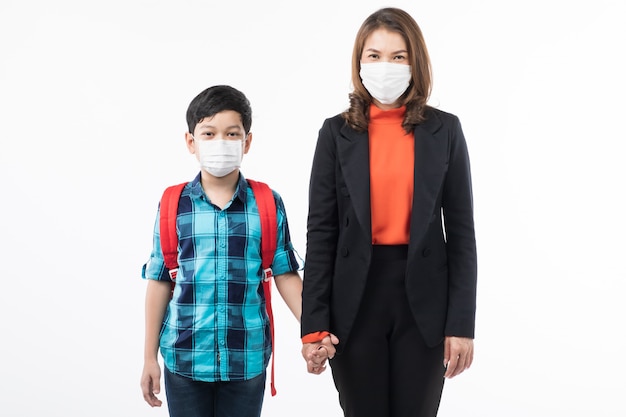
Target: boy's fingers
(317, 369)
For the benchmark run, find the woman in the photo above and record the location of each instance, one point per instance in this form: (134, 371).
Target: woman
(390, 271)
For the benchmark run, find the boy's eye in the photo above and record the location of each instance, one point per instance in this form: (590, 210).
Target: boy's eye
(224, 135)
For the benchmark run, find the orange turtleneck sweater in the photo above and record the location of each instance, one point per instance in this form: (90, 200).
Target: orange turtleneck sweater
(391, 176)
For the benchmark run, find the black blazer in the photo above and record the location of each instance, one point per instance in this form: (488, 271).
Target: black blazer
(441, 265)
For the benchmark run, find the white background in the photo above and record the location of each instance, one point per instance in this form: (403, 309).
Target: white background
(92, 105)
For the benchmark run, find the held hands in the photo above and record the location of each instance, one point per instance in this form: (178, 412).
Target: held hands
(315, 354)
(150, 383)
(458, 355)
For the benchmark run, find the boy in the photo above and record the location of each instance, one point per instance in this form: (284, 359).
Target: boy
(213, 334)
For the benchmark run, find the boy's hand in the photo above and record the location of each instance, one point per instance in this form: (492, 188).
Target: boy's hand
(151, 383)
(315, 354)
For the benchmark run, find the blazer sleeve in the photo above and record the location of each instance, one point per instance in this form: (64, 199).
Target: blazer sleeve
(322, 231)
(457, 206)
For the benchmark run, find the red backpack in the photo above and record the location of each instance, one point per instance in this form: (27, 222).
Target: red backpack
(267, 211)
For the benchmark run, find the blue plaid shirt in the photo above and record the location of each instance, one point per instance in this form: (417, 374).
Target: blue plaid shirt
(216, 326)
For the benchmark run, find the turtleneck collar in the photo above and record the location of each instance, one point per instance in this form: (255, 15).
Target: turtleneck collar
(378, 115)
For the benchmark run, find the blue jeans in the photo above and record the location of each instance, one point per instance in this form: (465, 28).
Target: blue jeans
(189, 398)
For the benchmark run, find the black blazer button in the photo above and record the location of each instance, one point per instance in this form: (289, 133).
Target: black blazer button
(344, 251)
(426, 252)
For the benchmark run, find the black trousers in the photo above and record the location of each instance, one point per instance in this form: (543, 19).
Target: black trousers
(386, 369)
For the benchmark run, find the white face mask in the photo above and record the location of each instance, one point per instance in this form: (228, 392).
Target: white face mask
(386, 81)
(219, 157)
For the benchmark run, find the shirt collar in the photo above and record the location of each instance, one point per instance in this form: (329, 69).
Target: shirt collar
(240, 192)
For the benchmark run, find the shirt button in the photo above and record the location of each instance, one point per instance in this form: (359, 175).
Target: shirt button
(222, 342)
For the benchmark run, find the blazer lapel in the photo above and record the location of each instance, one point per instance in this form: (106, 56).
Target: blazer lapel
(353, 154)
(431, 164)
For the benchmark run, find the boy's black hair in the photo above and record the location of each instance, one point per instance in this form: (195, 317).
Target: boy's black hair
(216, 99)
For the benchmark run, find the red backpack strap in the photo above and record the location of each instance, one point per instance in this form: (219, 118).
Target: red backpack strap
(267, 212)
(167, 226)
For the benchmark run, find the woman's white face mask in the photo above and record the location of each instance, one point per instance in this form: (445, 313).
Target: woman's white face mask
(385, 81)
(219, 157)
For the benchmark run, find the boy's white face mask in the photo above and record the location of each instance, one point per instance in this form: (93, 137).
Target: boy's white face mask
(385, 81)
(219, 157)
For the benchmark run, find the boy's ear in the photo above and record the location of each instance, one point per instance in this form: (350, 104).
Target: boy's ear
(246, 146)
(191, 144)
